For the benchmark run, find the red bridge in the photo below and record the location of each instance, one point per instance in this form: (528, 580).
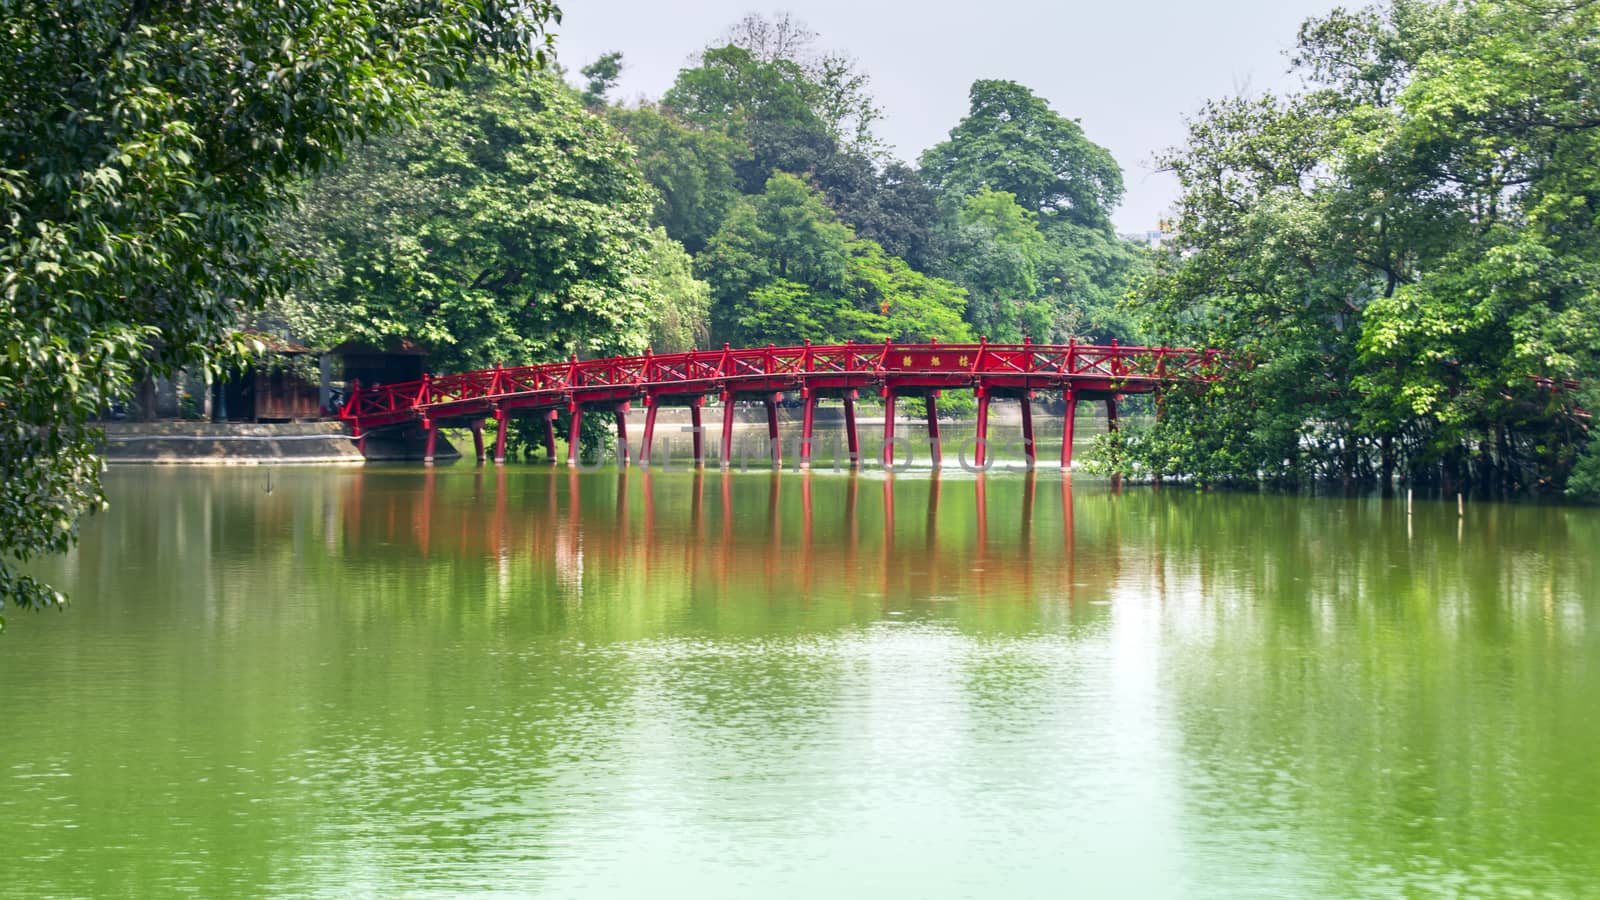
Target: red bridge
(1078, 371)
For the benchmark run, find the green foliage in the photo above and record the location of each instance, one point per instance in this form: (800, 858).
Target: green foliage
(602, 75)
(995, 251)
(1402, 248)
(787, 312)
(1011, 141)
(144, 149)
(691, 169)
(765, 105)
(680, 303)
(509, 226)
(906, 304)
(836, 89)
(783, 269)
(1030, 232)
(786, 233)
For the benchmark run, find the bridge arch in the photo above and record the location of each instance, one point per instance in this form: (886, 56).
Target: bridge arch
(816, 372)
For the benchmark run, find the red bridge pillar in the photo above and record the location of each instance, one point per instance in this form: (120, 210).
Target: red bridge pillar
(888, 428)
(651, 404)
(500, 421)
(981, 455)
(477, 439)
(933, 429)
(727, 429)
(807, 421)
(1027, 427)
(698, 432)
(852, 440)
(624, 452)
(433, 438)
(549, 417)
(1068, 423)
(573, 432)
(772, 428)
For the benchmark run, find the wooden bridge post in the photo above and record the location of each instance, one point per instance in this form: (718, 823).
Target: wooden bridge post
(549, 418)
(624, 452)
(500, 421)
(776, 448)
(651, 404)
(1027, 428)
(433, 437)
(699, 432)
(888, 428)
(574, 432)
(727, 429)
(852, 440)
(477, 439)
(934, 450)
(1069, 422)
(807, 423)
(980, 455)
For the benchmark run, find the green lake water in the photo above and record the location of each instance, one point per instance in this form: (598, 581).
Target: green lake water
(526, 681)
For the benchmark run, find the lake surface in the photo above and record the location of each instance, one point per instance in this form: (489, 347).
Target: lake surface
(401, 682)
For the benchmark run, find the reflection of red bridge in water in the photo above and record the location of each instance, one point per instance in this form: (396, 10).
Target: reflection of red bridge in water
(858, 537)
(1078, 371)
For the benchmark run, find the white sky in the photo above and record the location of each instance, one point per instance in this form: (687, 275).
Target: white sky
(1130, 71)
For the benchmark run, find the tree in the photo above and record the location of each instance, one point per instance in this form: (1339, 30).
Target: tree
(995, 254)
(680, 311)
(691, 170)
(143, 149)
(783, 269)
(1085, 274)
(908, 305)
(1012, 141)
(839, 92)
(888, 204)
(1405, 249)
(509, 225)
(786, 233)
(764, 105)
(602, 75)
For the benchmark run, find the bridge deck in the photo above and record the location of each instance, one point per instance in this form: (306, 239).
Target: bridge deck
(1079, 371)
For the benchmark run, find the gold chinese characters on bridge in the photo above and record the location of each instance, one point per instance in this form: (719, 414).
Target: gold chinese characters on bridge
(946, 361)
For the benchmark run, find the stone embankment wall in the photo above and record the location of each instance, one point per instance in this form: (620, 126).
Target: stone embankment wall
(203, 443)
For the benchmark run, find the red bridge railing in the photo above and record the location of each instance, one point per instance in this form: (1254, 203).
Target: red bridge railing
(1080, 371)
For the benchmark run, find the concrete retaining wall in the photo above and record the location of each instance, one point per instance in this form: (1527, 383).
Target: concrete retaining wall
(201, 443)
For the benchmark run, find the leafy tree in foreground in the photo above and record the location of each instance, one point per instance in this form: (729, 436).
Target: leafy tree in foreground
(510, 225)
(784, 234)
(1402, 249)
(143, 150)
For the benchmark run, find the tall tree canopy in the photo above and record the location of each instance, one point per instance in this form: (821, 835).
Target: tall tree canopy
(1405, 247)
(766, 105)
(143, 149)
(1012, 141)
(509, 225)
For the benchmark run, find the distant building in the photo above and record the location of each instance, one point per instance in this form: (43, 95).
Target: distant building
(1151, 239)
